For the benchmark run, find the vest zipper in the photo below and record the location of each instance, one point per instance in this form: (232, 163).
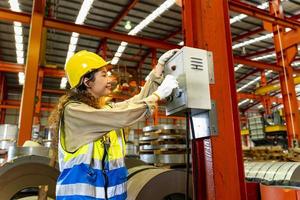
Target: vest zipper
(104, 170)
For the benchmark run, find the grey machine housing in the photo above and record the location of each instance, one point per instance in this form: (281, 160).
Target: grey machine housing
(193, 69)
(190, 66)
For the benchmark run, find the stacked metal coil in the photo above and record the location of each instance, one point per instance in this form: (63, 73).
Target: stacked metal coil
(132, 143)
(8, 135)
(273, 173)
(163, 144)
(26, 169)
(147, 183)
(8, 138)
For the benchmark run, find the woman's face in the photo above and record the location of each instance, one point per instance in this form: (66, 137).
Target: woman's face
(101, 86)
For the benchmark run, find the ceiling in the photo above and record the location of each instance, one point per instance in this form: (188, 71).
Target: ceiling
(103, 15)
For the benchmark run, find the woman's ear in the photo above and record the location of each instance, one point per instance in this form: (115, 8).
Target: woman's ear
(86, 82)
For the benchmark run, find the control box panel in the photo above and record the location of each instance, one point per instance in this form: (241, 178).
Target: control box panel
(190, 66)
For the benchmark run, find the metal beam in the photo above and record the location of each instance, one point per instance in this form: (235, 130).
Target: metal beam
(14, 16)
(247, 75)
(242, 95)
(244, 35)
(249, 10)
(257, 64)
(259, 52)
(15, 68)
(88, 30)
(31, 71)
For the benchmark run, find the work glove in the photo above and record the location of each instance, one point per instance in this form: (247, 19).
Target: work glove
(166, 56)
(166, 87)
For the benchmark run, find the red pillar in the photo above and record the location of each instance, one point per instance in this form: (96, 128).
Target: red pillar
(285, 57)
(220, 171)
(31, 71)
(38, 103)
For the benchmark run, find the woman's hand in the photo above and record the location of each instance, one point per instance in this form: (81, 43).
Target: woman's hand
(159, 68)
(166, 87)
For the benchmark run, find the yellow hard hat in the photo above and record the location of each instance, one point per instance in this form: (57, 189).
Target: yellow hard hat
(80, 64)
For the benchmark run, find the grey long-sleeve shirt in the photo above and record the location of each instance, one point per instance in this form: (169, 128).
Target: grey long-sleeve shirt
(84, 124)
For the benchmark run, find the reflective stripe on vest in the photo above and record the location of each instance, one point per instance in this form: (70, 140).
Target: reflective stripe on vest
(89, 190)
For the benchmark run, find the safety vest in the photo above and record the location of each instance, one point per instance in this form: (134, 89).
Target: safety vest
(94, 171)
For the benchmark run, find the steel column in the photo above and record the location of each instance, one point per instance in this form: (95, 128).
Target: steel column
(31, 71)
(285, 57)
(38, 99)
(220, 172)
(257, 64)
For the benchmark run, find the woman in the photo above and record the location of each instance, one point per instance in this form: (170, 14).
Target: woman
(91, 145)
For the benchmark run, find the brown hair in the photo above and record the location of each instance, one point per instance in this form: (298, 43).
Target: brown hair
(79, 94)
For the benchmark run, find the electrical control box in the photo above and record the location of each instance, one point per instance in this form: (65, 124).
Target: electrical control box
(190, 66)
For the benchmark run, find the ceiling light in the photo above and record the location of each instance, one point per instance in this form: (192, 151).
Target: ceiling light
(243, 102)
(128, 25)
(20, 54)
(295, 64)
(83, 12)
(85, 7)
(238, 67)
(21, 77)
(254, 40)
(72, 47)
(18, 39)
(238, 18)
(63, 83)
(181, 43)
(18, 31)
(115, 60)
(20, 60)
(14, 5)
(264, 57)
(156, 13)
(280, 106)
(19, 46)
(73, 40)
(260, 106)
